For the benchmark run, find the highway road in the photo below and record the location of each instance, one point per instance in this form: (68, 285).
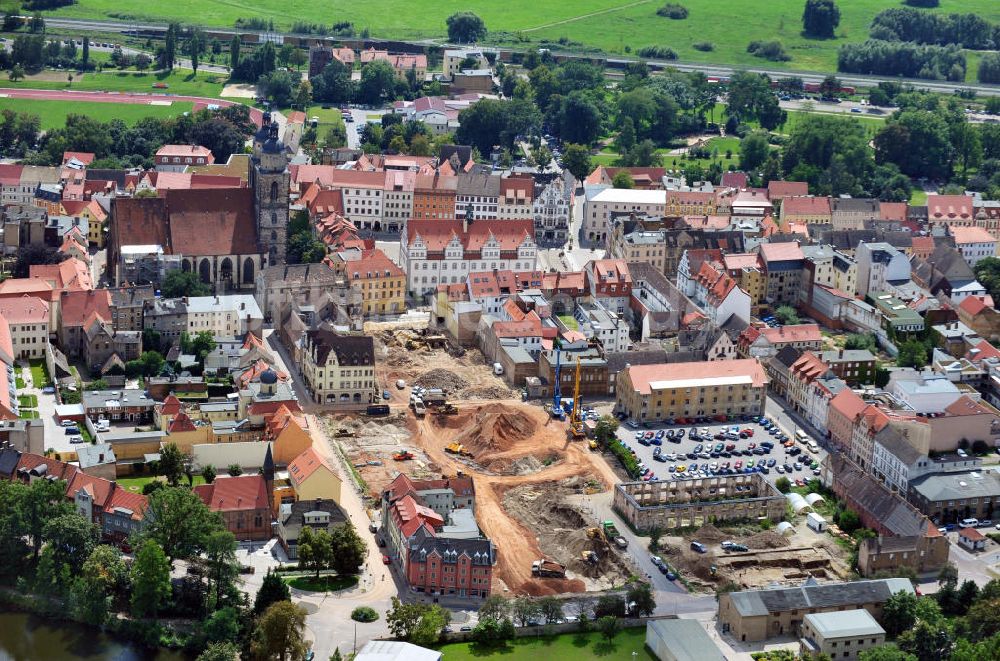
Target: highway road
(708, 69)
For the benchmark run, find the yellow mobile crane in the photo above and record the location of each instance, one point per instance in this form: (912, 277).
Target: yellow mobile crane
(576, 428)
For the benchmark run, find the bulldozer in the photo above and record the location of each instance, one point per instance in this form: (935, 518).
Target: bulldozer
(342, 432)
(403, 455)
(457, 448)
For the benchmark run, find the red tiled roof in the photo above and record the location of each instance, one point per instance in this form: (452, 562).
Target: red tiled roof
(973, 305)
(777, 190)
(84, 157)
(971, 534)
(893, 210)
(10, 174)
(737, 261)
(780, 252)
(437, 233)
(965, 405)
(806, 206)
(71, 274)
(848, 404)
(125, 499)
(98, 488)
(266, 408)
(232, 494)
(24, 310)
(185, 151)
(948, 207)
(304, 465)
(181, 423)
(798, 333)
(170, 406)
(76, 307)
(373, 263)
(964, 235)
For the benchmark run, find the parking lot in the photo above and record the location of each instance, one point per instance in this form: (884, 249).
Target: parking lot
(683, 457)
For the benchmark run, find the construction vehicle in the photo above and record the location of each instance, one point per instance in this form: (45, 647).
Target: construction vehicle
(593, 444)
(594, 533)
(576, 428)
(419, 409)
(342, 432)
(547, 569)
(457, 448)
(378, 409)
(403, 455)
(433, 397)
(612, 535)
(589, 557)
(447, 409)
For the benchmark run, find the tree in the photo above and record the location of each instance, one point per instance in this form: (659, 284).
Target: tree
(178, 284)
(578, 119)
(315, 551)
(234, 470)
(641, 595)
(333, 84)
(222, 566)
(899, 613)
(208, 472)
(102, 576)
(984, 619)
(272, 590)
(490, 122)
(85, 52)
(171, 464)
(754, 150)
(150, 580)
(428, 630)
(170, 46)
(234, 52)
(948, 575)
(464, 27)
(280, 632)
(378, 83)
(912, 353)
(918, 141)
(70, 538)
(347, 548)
(179, 522)
(609, 604)
(848, 520)
(786, 315)
(223, 625)
(16, 73)
(887, 652)
(605, 429)
(864, 341)
(523, 610)
(783, 484)
(278, 86)
(303, 95)
(830, 86)
(403, 618)
(623, 179)
(220, 652)
(551, 609)
(195, 45)
(496, 607)
(39, 503)
(608, 626)
(927, 641)
(820, 18)
(492, 632)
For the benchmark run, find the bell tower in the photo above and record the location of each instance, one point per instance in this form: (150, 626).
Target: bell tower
(269, 180)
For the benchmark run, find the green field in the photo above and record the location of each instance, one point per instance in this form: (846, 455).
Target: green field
(137, 483)
(53, 113)
(609, 25)
(326, 583)
(565, 647)
(179, 81)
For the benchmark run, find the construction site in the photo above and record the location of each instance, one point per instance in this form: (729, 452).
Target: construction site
(528, 472)
(770, 557)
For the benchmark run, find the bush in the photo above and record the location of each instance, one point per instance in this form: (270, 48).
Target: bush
(783, 484)
(989, 68)
(364, 614)
(703, 46)
(658, 52)
(673, 10)
(927, 4)
(769, 50)
(897, 58)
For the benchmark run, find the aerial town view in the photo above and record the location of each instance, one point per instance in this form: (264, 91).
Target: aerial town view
(575, 331)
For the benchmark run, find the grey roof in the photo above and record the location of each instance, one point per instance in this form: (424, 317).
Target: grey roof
(855, 205)
(751, 603)
(350, 350)
(841, 624)
(300, 274)
(8, 461)
(896, 444)
(293, 515)
(131, 296)
(617, 361)
(422, 543)
(479, 184)
(95, 455)
(846, 355)
(98, 399)
(958, 486)
(867, 493)
(687, 640)
(787, 355)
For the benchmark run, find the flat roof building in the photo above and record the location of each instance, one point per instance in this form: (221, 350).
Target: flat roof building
(840, 635)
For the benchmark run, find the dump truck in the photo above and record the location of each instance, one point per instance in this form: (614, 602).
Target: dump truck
(403, 455)
(612, 535)
(457, 448)
(434, 397)
(547, 569)
(377, 409)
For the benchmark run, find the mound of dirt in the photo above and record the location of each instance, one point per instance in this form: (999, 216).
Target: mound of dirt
(709, 534)
(487, 392)
(766, 540)
(441, 378)
(497, 428)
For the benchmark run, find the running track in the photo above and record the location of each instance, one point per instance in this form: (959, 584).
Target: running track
(137, 98)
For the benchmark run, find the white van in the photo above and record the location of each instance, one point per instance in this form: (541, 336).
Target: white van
(969, 523)
(498, 369)
(811, 445)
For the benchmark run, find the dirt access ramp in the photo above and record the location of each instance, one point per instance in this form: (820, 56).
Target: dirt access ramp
(517, 543)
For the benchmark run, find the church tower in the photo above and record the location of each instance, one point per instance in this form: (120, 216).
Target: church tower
(269, 179)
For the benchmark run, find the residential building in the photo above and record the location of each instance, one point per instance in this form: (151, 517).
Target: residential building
(28, 322)
(225, 316)
(798, 209)
(339, 370)
(175, 158)
(516, 198)
(453, 59)
(77, 311)
(604, 203)
(755, 615)
(434, 195)
(717, 293)
(951, 210)
(778, 191)
(849, 213)
(291, 284)
(841, 634)
(653, 393)
(606, 326)
(293, 517)
(896, 314)
(879, 266)
(855, 366)
(689, 203)
(923, 392)
(446, 251)
(552, 210)
(477, 195)
(811, 386)
(951, 497)
(783, 264)
(610, 283)
(243, 503)
(312, 477)
(129, 404)
(975, 243)
(127, 305)
(757, 342)
(381, 284)
(397, 204)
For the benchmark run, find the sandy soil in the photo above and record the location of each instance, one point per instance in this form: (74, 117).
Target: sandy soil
(239, 91)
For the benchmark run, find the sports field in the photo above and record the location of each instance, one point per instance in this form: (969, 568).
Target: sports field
(610, 25)
(53, 113)
(178, 81)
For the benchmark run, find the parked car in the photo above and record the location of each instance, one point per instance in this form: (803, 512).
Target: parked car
(699, 547)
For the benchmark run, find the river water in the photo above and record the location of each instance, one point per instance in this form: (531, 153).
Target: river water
(30, 638)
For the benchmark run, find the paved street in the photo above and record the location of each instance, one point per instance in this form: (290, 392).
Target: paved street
(575, 255)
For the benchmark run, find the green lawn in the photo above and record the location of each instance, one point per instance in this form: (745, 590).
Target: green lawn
(918, 197)
(564, 647)
(610, 25)
(179, 81)
(39, 372)
(27, 401)
(20, 383)
(569, 321)
(53, 113)
(325, 583)
(137, 483)
(28, 414)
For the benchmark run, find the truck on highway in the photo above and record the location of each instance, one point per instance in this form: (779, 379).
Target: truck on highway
(547, 569)
(612, 535)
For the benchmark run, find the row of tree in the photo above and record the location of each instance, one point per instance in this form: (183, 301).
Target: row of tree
(905, 24)
(902, 58)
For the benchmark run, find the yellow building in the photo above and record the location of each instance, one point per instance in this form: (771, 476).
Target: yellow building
(288, 434)
(650, 393)
(380, 282)
(312, 478)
